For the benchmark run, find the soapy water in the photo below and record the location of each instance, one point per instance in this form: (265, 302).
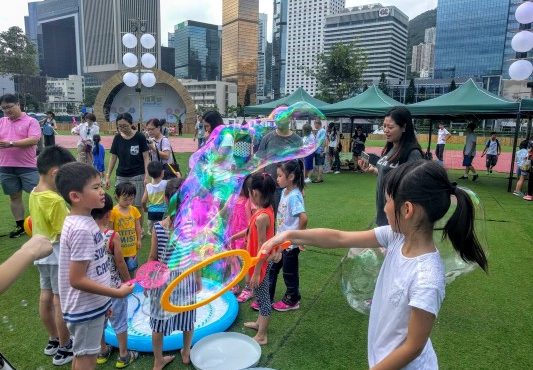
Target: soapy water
(360, 267)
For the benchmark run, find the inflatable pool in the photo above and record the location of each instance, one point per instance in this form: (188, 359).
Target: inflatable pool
(214, 317)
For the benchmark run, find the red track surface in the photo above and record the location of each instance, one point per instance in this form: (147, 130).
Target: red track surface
(452, 158)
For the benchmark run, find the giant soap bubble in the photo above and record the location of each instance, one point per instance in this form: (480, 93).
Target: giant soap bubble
(360, 267)
(204, 204)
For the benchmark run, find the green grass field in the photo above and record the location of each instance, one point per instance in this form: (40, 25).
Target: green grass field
(485, 321)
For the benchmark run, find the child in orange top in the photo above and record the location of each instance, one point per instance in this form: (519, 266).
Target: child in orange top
(126, 222)
(260, 229)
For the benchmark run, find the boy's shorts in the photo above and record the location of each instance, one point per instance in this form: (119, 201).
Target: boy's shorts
(520, 172)
(156, 216)
(87, 336)
(320, 158)
(119, 315)
(48, 277)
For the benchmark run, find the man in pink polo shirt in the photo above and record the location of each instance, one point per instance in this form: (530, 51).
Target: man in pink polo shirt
(19, 135)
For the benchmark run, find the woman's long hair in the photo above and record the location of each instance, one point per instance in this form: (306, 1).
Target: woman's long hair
(408, 142)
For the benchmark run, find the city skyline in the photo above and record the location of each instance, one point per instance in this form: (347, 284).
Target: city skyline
(210, 11)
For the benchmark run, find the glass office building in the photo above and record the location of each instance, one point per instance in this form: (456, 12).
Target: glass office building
(239, 46)
(197, 51)
(471, 37)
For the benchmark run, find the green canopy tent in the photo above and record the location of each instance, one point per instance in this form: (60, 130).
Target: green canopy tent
(371, 103)
(469, 101)
(299, 95)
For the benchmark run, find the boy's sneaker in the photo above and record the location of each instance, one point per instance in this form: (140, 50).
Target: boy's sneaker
(254, 306)
(64, 355)
(307, 180)
(245, 295)
(17, 231)
(463, 177)
(336, 172)
(282, 306)
(518, 193)
(52, 347)
(474, 178)
(103, 357)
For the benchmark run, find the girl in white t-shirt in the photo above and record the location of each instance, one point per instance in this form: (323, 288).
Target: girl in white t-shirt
(410, 286)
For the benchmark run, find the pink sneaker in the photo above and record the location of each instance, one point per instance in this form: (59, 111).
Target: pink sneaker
(282, 306)
(528, 198)
(254, 306)
(245, 295)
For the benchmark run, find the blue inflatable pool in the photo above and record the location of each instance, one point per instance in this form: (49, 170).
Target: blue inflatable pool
(214, 317)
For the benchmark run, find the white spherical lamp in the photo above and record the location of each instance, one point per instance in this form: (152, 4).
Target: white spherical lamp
(130, 79)
(522, 42)
(520, 70)
(129, 60)
(147, 41)
(148, 79)
(129, 40)
(148, 60)
(524, 13)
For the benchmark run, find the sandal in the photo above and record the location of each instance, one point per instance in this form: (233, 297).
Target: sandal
(104, 356)
(245, 295)
(123, 362)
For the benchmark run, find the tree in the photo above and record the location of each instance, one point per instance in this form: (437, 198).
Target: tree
(90, 95)
(339, 72)
(231, 111)
(453, 86)
(247, 100)
(240, 110)
(384, 84)
(410, 93)
(17, 53)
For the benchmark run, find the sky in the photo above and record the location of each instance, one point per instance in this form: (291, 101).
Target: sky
(210, 11)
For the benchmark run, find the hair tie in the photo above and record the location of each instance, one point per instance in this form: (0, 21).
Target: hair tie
(453, 187)
(265, 174)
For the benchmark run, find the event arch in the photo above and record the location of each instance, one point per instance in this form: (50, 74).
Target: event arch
(165, 100)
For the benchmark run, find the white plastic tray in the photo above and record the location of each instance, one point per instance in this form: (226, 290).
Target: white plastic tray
(225, 351)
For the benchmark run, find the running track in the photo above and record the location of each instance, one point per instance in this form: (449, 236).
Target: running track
(452, 158)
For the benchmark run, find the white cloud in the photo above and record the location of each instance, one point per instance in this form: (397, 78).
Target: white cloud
(209, 11)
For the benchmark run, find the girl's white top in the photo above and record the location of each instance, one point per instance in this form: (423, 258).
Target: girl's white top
(403, 283)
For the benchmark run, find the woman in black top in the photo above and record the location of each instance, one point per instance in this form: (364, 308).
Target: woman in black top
(402, 146)
(130, 148)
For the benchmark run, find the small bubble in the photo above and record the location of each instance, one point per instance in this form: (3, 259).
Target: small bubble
(24, 303)
(5, 319)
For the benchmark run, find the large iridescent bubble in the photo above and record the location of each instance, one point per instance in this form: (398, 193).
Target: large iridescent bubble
(205, 202)
(360, 267)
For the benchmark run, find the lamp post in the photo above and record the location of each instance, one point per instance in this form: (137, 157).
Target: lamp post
(142, 74)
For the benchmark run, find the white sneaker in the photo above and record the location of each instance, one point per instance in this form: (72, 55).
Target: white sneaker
(336, 172)
(64, 355)
(307, 180)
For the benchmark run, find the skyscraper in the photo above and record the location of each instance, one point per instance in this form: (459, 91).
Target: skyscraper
(54, 27)
(279, 47)
(104, 24)
(470, 38)
(423, 55)
(197, 49)
(305, 40)
(261, 55)
(381, 31)
(239, 46)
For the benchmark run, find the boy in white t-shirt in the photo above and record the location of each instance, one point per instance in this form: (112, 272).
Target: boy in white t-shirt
(493, 151)
(442, 137)
(84, 280)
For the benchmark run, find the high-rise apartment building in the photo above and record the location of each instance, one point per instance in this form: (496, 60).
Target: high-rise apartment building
(279, 47)
(261, 56)
(65, 95)
(381, 31)
(305, 40)
(197, 49)
(430, 35)
(106, 21)
(471, 37)
(239, 46)
(423, 55)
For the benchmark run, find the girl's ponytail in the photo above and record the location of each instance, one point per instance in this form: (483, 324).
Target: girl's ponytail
(460, 230)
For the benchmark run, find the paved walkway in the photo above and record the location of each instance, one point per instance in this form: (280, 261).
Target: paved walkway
(452, 158)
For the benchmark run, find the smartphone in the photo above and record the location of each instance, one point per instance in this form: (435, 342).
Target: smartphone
(365, 157)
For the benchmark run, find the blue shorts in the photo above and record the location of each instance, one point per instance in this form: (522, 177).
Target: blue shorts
(520, 172)
(308, 162)
(467, 160)
(16, 179)
(320, 158)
